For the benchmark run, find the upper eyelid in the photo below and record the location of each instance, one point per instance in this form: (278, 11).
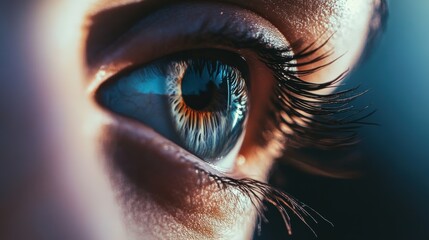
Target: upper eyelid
(106, 25)
(273, 10)
(114, 58)
(228, 31)
(110, 19)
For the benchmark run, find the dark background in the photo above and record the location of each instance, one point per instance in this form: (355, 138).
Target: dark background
(391, 200)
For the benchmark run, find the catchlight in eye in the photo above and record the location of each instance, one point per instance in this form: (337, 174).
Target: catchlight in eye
(199, 101)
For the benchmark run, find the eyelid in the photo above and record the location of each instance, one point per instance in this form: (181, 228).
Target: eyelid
(229, 26)
(211, 25)
(151, 142)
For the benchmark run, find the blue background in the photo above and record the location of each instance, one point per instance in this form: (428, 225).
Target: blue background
(391, 201)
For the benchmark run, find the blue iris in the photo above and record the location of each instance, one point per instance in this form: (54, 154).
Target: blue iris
(198, 103)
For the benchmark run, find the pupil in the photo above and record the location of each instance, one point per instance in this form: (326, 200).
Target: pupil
(201, 88)
(202, 99)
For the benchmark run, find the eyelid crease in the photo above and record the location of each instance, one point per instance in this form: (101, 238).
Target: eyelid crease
(221, 26)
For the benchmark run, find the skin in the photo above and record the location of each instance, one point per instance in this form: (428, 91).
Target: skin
(78, 171)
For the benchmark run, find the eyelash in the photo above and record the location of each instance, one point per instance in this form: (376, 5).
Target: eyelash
(331, 123)
(260, 193)
(330, 120)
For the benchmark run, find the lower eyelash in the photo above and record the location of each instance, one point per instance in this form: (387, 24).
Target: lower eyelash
(323, 121)
(260, 193)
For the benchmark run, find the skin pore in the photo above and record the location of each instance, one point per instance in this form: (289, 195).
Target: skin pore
(132, 182)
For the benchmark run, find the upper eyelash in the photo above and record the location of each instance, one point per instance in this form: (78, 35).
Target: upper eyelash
(331, 121)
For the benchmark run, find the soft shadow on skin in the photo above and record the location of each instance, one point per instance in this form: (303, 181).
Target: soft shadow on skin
(156, 184)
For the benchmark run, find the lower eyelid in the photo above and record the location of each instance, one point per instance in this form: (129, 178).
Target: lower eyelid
(150, 173)
(150, 170)
(151, 164)
(116, 130)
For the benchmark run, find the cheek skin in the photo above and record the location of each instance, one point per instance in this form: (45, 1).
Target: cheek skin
(162, 195)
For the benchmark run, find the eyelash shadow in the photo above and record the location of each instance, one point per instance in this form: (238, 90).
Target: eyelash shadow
(260, 193)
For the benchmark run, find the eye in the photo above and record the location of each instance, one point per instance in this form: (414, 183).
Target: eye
(189, 79)
(197, 99)
(219, 81)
